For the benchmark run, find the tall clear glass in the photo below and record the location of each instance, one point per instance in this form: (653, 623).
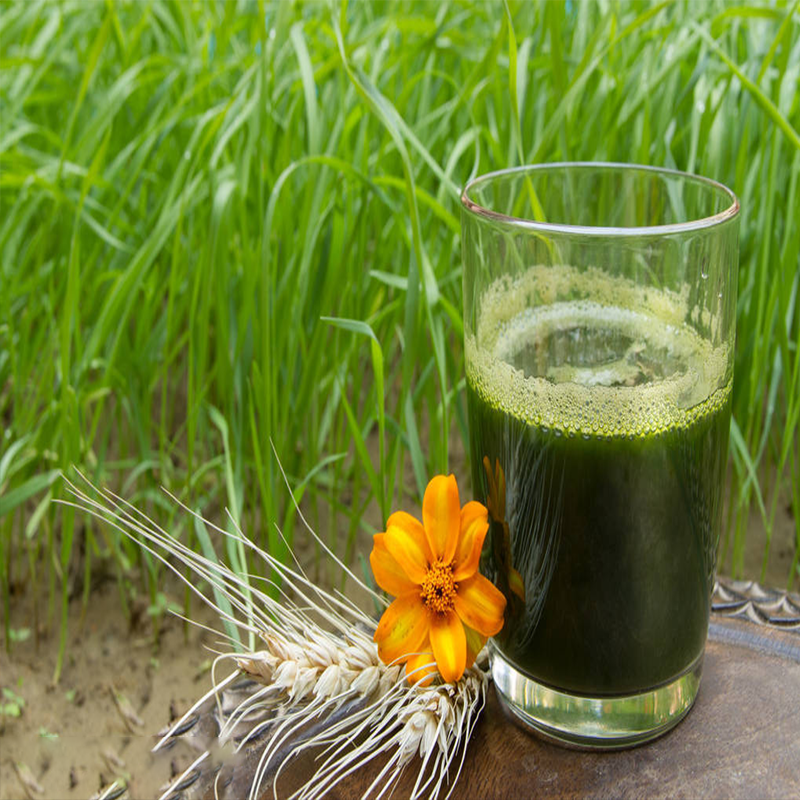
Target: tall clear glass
(599, 321)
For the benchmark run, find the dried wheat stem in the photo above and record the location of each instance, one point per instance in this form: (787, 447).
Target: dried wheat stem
(322, 685)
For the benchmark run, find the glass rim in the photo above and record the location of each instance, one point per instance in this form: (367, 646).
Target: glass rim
(597, 230)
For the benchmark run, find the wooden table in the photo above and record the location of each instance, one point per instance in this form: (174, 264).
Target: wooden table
(741, 739)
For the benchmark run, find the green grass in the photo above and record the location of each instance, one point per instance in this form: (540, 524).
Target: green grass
(230, 226)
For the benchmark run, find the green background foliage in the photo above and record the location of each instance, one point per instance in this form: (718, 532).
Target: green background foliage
(225, 226)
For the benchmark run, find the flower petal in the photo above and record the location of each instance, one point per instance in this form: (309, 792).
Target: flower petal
(389, 575)
(474, 525)
(516, 584)
(491, 500)
(480, 605)
(407, 552)
(472, 511)
(421, 668)
(402, 628)
(475, 643)
(413, 527)
(449, 644)
(441, 516)
(501, 489)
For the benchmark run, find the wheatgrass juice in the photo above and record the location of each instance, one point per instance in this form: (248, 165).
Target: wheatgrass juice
(599, 440)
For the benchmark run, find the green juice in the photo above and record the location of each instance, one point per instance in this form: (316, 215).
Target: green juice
(610, 430)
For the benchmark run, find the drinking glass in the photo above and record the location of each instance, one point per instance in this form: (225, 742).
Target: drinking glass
(599, 321)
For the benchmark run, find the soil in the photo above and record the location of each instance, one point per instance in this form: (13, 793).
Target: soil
(73, 737)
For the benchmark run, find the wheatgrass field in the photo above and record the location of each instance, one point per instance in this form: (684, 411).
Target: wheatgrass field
(230, 238)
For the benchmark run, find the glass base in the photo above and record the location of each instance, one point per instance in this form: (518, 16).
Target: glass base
(594, 723)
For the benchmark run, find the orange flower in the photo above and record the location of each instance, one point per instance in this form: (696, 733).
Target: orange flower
(444, 606)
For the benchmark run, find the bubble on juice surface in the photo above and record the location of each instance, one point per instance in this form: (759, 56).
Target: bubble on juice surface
(640, 368)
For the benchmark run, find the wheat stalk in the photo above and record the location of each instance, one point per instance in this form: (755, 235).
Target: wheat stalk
(318, 683)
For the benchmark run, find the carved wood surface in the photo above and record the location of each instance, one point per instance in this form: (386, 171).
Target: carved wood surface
(741, 739)
(748, 600)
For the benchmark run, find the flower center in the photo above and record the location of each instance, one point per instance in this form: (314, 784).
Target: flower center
(439, 589)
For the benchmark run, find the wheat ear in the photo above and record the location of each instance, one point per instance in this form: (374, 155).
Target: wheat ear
(318, 683)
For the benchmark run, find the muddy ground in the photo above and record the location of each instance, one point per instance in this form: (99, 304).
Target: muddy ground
(73, 738)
